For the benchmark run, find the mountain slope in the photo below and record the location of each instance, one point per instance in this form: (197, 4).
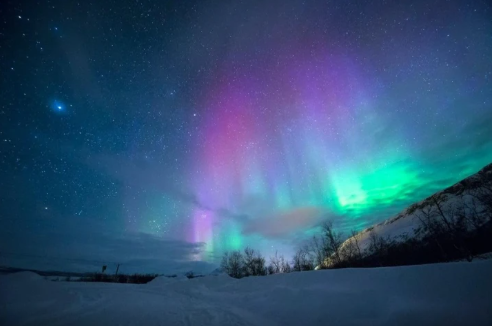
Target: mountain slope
(452, 198)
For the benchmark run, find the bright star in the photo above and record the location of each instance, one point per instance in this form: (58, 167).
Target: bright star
(58, 106)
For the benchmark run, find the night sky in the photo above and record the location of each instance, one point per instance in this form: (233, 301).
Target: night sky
(161, 134)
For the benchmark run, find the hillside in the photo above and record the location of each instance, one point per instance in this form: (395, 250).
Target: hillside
(452, 198)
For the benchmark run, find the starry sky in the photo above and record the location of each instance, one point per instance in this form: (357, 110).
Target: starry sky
(160, 134)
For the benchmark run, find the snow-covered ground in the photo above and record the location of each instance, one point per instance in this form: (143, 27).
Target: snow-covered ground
(440, 294)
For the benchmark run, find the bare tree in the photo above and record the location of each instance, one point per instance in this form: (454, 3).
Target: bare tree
(474, 214)
(278, 264)
(317, 252)
(301, 260)
(286, 267)
(355, 236)
(350, 250)
(438, 201)
(429, 228)
(483, 194)
(275, 264)
(333, 242)
(248, 261)
(259, 266)
(378, 247)
(232, 263)
(253, 263)
(454, 223)
(297, 260)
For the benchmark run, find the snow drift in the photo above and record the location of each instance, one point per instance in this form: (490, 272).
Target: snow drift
(439, 294)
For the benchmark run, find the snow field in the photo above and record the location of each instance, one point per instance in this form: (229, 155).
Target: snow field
(438, 294)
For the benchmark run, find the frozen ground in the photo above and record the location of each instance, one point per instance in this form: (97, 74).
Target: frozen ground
(441, 294)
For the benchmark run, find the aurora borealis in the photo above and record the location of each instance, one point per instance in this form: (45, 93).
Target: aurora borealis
(232, 124)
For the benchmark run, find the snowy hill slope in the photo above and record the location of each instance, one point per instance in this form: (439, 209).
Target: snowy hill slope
(439, 294)
(406, 221)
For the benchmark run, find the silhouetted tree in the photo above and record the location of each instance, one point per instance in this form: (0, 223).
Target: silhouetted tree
(301, 261)
(253, 263)
(232, 264)
(317, 250)
(278, 264)
(350, 251)
(333, 242)
(286, 267)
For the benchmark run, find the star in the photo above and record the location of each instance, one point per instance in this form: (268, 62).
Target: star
(58, 106)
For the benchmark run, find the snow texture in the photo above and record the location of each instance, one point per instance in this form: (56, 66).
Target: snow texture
(438, 294)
